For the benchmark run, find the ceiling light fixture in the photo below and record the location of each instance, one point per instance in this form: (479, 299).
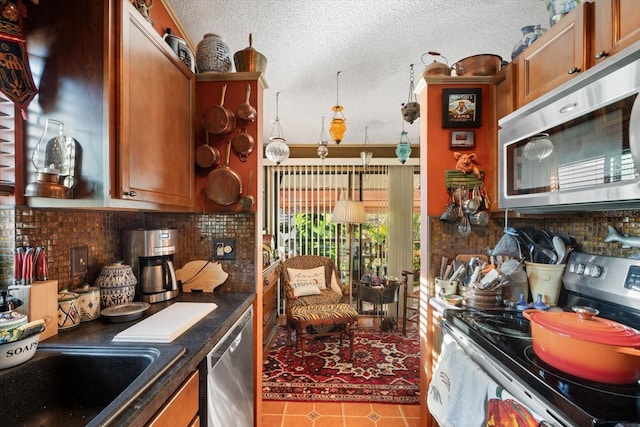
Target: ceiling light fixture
(411, 110)
(277, 149)
(366, 155)
(403, 149)
(338, 123)
(323, 144)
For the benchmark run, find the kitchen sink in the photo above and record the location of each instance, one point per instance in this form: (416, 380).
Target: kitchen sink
(80, 385)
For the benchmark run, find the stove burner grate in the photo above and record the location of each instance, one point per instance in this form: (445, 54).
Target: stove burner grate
(509, 326)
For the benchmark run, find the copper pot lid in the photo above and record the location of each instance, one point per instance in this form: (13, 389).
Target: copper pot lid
(585, 325)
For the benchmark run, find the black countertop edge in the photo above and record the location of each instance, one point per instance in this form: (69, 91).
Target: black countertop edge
(197, 341)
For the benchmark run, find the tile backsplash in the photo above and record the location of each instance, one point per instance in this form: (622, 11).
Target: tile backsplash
(61, 230)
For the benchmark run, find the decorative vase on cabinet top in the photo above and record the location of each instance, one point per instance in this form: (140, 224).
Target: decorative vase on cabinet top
(558, 8)
(213, 54)
(530, 33)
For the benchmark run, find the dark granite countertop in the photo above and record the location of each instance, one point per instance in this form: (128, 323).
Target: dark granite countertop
(197, 341)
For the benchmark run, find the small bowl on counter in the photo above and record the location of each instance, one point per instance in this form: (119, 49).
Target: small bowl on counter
(17, 352)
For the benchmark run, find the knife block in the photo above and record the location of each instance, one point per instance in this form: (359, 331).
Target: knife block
(39, 301)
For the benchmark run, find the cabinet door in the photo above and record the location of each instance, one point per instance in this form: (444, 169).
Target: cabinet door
(616, 25)
(156, 90)
(182, 408)
(556, 57)
(505, 90)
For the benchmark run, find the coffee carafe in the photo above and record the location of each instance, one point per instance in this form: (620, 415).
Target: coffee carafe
(150, 252)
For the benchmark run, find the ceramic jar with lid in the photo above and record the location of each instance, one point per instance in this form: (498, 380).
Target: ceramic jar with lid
(213, 54)
(117, 284)
(88, 302)
(68, 309)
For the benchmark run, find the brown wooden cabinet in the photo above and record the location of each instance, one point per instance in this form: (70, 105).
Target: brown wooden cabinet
(181, 410)
(270, 288)
(155, 114)
(126, 98)
(505, 90)
(556, 57)
(616, 25)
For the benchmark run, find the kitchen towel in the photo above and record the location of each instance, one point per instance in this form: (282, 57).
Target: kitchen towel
(167, 324)
(457, 393)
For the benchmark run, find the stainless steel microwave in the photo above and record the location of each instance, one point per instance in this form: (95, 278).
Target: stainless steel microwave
(578, 147)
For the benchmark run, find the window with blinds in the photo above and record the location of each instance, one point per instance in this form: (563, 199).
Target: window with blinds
(300, 200)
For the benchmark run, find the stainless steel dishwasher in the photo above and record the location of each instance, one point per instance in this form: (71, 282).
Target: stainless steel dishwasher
(226, 378)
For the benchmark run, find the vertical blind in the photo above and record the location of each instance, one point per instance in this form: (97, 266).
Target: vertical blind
(300, 200)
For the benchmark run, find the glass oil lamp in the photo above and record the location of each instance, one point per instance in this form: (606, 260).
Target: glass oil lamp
(54, 162)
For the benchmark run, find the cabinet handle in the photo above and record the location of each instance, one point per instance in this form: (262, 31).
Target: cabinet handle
(574, 70)
(601, 54)
(130, 193)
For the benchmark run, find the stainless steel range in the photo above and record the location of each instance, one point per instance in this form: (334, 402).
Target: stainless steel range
(500, 342)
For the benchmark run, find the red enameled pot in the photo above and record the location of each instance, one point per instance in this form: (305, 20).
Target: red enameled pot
(585, 345)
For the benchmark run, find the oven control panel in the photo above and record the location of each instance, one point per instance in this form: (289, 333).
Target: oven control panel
(606, 278)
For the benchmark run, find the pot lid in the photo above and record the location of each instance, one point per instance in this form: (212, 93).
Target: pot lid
(85, 289)
(587, 328)
(66, 295)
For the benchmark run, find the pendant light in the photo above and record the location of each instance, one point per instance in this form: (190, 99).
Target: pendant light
(277, 149)
(323, 144)
(366, 155)
(403, 149)
(338, 123)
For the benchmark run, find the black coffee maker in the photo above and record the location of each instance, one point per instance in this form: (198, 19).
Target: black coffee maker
(150, 253)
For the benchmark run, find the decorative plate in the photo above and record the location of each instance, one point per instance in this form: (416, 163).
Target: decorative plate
(125, 312)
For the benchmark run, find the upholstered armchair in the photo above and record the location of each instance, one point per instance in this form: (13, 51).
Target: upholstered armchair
(315, 299)
(298, 272)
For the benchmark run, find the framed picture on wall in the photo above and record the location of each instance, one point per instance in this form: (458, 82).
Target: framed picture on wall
(461, 108)
(462, 139)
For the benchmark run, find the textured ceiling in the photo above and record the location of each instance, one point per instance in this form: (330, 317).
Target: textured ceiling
(371, 42)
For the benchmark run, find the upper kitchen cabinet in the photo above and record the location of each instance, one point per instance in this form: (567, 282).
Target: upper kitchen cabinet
(556, 57)
(126, 98)
(616, 25)
(155, 160)
(504, 96)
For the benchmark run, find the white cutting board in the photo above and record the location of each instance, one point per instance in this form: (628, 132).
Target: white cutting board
(167, 324)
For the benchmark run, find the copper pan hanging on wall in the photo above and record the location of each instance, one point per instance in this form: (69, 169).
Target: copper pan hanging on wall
(223, 185)
(217, 119)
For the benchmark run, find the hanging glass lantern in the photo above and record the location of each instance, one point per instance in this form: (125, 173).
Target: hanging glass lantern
(338, 124)
(323, 144)
(277, 149)
(403, 150)
(366, 155)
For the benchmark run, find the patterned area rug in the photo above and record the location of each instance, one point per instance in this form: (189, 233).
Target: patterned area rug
(384, 369)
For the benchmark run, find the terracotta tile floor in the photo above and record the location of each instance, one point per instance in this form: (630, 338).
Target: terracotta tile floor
(346, 414)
